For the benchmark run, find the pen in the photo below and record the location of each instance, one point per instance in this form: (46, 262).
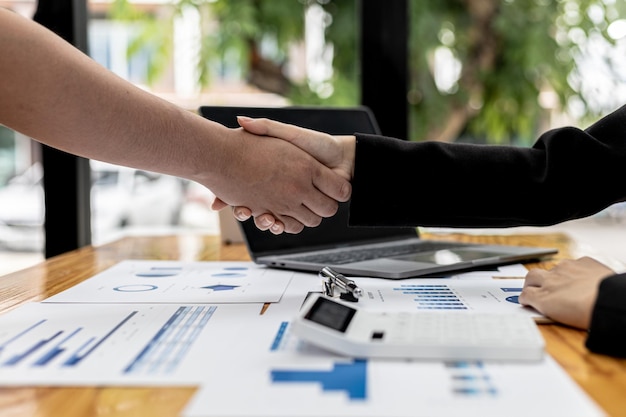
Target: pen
(341, 281)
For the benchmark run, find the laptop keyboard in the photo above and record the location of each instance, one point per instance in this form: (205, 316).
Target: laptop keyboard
(341, 256)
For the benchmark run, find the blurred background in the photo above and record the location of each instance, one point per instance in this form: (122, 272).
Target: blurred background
(480, 71)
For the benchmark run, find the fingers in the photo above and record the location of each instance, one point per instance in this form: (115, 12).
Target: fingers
(528, 297)
(310, 184)
(267, 127)
(242, 213)
(532, 284)
(535, 277)
(567, 292)
(267, 221)
(218, 204)
(286, 224)
(264, 221)
(280, 224)
(334, 187)
(291, 226)
(336, 152)
(278, 228)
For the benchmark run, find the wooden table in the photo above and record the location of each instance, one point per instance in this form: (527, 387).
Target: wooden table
(602, 377)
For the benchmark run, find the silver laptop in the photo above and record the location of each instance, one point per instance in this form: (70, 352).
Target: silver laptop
(385, 252)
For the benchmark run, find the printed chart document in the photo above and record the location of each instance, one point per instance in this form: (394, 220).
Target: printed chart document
(279, 375)
(481, 295)
(117, 344)
(517, 271)
(143, 281)
(472, 291)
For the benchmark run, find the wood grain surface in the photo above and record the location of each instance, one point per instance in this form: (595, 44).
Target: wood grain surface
(602, 377)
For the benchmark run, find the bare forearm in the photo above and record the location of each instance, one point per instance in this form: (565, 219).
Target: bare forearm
(63, 98)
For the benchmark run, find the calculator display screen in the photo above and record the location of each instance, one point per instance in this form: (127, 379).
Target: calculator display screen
(331, 314)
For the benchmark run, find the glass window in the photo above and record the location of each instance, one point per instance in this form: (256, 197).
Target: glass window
(506, 71)
(502, 73)
(21, 202)
(215, 52)
(21, 192)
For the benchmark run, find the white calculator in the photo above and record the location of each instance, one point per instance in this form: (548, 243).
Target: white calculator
(346, 329)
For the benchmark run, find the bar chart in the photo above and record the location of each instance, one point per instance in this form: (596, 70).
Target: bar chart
(99, 343)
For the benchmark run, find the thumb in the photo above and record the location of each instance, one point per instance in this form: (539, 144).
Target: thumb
(251, 125)
(218, 204)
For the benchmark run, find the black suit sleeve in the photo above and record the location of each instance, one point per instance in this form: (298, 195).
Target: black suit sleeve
(567, 174)
(608, 322)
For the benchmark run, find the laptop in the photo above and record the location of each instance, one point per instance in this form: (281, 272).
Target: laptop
(382, 252)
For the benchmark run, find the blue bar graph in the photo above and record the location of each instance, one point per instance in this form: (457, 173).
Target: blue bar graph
(279, 336)
(432, 296)
(471, 379)
(350, 378)
(16, 359)
(78, 356)
(20, 334)
(172, 341)
(56, 351)
(63, 338)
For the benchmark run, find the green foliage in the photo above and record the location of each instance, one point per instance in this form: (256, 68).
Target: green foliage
(7, 138)
(242, 22)
(343, 34)
(345, 93)
(507, 53)
(152, 35)
(158, 42)
(233, 31)
(521, 49)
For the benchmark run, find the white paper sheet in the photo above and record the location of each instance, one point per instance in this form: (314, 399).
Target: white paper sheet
(278, 375)
(472, 291)
(142, 281)
(482, 295)
(117, 344)
(249, 364)
(517, 271)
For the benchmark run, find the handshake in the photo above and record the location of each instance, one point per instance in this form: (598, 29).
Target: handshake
(294, 179)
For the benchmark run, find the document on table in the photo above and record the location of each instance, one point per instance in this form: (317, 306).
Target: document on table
(118, 344)
(517, 271)
(279, 375)
(143, 281)
(472, 291)
(248, 364)
(482, 295)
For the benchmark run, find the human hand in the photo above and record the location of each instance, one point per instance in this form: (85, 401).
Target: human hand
(336, 152)
(295, 188)
(263, 222)
(567, 292)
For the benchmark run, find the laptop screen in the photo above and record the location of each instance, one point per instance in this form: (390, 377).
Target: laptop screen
(333, 231)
